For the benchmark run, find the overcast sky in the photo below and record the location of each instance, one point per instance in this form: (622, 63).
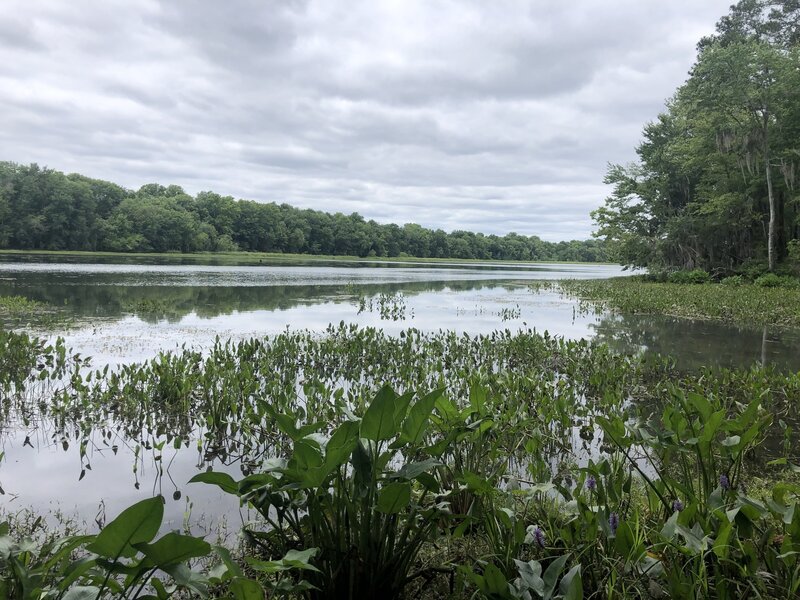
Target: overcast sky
(489, 116)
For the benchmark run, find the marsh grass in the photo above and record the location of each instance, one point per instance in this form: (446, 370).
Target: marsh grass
(734, 303)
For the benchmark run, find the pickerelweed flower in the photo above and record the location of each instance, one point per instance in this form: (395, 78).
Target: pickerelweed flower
(591, 483)
(613, 522)
(677, 505)
(724, 482)
(539, 537)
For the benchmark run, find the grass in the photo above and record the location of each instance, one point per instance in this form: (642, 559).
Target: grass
(17, 311)
(18, 305)
(745, 304)
(235, 257)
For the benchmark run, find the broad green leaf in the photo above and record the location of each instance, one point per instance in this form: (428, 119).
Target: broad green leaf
(173, 548)
(571, 586)
(306, 455)
(394, 497)
(300, 559)
(134, 525)
(416, 423)
(494, 582)
(552, 573)
(415, 469)
(721, 546)
(246, 589)
(530, 574)
(379, 421)
(341, 444)
(624, 542)
(82, 592)
(221, 480)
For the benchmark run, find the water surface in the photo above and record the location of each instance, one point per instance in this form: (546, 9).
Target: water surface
(120, 312)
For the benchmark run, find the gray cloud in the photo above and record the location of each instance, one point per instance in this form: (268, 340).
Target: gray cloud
(492, 117)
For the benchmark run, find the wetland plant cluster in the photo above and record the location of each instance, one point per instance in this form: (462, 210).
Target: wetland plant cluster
(769, 300)
(509, 465)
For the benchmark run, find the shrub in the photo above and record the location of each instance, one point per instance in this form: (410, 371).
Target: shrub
(733, 280)
(344, 497)
(690, 277)
(793, 258)
(770, 280)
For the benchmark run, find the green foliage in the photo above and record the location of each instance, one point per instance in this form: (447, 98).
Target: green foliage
(43, 209)
(715, 184)
(684, 277)
(347, 497)
(120, 561)
(773, 301)
(771, 280)
(536, 468)
(733, 280)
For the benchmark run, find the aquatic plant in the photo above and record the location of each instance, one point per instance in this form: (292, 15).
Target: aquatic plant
(348, 496)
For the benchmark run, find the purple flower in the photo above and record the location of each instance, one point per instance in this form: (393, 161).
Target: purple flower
(591, 483)
(677, 506)
(724, 482)
(613, 522)
(538, 536)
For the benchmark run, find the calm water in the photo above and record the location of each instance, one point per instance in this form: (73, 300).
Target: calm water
(127, 312)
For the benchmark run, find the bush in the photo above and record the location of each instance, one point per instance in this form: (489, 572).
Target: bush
(733, 280)
(793, 258)
(689, 277)
(770, 280)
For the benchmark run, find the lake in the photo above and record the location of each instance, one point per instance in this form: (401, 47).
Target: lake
(121, 312)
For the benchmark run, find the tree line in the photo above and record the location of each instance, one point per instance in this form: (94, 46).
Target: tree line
(44, 209)
(716, 181)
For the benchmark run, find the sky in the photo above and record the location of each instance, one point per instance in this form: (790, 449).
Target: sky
(486, 116)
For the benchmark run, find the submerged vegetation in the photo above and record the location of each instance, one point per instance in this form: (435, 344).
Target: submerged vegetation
(768, 301)
(511, 465)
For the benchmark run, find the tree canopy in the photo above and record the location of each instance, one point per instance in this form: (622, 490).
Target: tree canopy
(715, 185)
(44, 209)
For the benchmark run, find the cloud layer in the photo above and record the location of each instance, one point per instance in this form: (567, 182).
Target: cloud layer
(488, 116)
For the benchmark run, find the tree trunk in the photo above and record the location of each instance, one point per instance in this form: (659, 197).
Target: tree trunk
(770, 194)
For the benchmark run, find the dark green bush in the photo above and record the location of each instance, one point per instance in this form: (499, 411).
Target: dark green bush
(772, 280)
(734, 280)
(690, 277)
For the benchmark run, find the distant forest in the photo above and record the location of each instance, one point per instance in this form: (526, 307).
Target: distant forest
(44, 209)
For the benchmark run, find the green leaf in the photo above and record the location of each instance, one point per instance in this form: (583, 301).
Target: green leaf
(379, 421)
(174, 548)
(82, 592)
(552, 573)
(394, 497)
(415, 469)
(572, 585)
(341, 444)
(721, 546)
(221, 480)
(246, 589)
(416, 423)
(300, 559)
(494, 582)
(530, 574)
(624, 542)
(134, 525)
(306, 456)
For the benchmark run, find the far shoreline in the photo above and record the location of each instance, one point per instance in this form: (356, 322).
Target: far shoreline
(232, 257)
